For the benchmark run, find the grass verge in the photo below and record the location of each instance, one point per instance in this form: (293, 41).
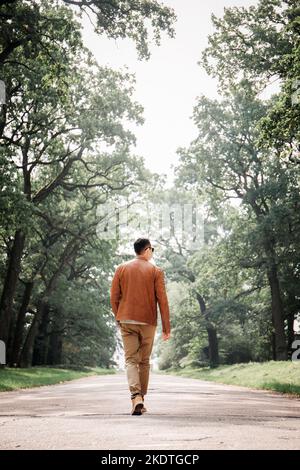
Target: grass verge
(13, 379)
(280, 376)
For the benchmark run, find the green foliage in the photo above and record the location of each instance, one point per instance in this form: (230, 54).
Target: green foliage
(25, 23)
(65, 151)
(242, 167)
(280, 376)
(14, 379)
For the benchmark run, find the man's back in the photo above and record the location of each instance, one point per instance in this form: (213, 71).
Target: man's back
(136, 288)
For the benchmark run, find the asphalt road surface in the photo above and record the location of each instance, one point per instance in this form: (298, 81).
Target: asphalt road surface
(94, 413)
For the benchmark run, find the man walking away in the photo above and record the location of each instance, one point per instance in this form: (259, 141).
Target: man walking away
(137, 287)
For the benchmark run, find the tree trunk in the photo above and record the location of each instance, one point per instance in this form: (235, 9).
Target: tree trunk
(19, 330)
(213, 346)
(27, 350)
(54, 356)
(291, 331)
(10, 339)
(276, 300)
(41, 341)
(10, 284)
(273, 346)
(277, 315)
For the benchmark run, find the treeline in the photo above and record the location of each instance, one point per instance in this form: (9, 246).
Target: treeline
(65, 151)
(239, 293)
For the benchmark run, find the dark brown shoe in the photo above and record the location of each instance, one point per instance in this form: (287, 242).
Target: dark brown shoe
(137, 405)
(144, 409)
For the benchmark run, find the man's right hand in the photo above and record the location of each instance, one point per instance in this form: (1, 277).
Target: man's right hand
(166, 336)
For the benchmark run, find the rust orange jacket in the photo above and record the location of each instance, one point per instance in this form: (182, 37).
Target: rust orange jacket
(136, 288)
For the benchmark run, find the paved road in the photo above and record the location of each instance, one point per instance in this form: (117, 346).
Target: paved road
(93, 413)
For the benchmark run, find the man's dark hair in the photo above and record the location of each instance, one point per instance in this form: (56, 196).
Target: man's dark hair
(140, 244)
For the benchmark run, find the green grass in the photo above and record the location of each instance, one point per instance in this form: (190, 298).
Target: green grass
(13, 379)
(280, 376)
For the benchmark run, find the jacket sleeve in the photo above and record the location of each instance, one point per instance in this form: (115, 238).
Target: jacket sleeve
(162, 299)
(115, 292)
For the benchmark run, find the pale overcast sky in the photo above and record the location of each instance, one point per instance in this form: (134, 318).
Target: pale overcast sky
(169, 82)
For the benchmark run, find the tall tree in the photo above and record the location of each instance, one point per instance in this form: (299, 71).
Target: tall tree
(56, 121)
(226, 163)
(26, 24)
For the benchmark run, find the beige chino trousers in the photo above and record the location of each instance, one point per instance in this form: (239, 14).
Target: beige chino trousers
(138, 343)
